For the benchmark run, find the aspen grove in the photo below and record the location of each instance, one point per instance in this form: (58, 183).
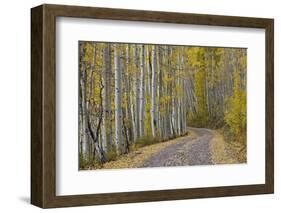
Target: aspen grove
(140, 94)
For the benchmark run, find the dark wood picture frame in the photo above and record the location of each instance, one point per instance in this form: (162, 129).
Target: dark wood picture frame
(43, 105)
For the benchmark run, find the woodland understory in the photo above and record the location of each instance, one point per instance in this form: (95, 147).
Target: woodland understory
(135, 95)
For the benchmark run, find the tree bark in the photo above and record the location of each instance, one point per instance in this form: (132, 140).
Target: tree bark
(127, 86)
(84, 129)
(106, 80)
(118, 101)
(142, 92)
(153, 93)
(137, 93)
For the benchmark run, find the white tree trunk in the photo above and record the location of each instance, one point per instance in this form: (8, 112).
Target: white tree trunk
(137, 92)
(148, 90)
(179, 101)
(142, 91)
(83, 100)
(174, 115)
(153, 93)
(185, 99)
(106, 96)
(85, 151)
(127, 86)
(118, 102)
(158, 92)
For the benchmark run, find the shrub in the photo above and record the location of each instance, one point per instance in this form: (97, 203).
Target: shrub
(235, 116)
(82, 162)
(111, 153)
(145, 141)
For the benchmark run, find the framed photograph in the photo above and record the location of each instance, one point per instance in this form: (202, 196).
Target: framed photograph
(136, 106)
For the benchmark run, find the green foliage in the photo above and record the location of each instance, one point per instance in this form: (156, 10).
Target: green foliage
(82, 162)
(111, 153)
(89, 163)
(145, 141)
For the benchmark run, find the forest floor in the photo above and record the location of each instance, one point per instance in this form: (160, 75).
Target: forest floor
(200, 147)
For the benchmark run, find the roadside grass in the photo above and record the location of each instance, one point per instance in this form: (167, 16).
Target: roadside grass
(140, 152)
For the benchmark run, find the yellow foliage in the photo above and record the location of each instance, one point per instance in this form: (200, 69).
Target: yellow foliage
(235, 115)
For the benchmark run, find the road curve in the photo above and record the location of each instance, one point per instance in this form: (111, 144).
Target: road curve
(186, 151)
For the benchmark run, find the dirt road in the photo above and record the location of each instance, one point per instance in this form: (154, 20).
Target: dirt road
(186, 151)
